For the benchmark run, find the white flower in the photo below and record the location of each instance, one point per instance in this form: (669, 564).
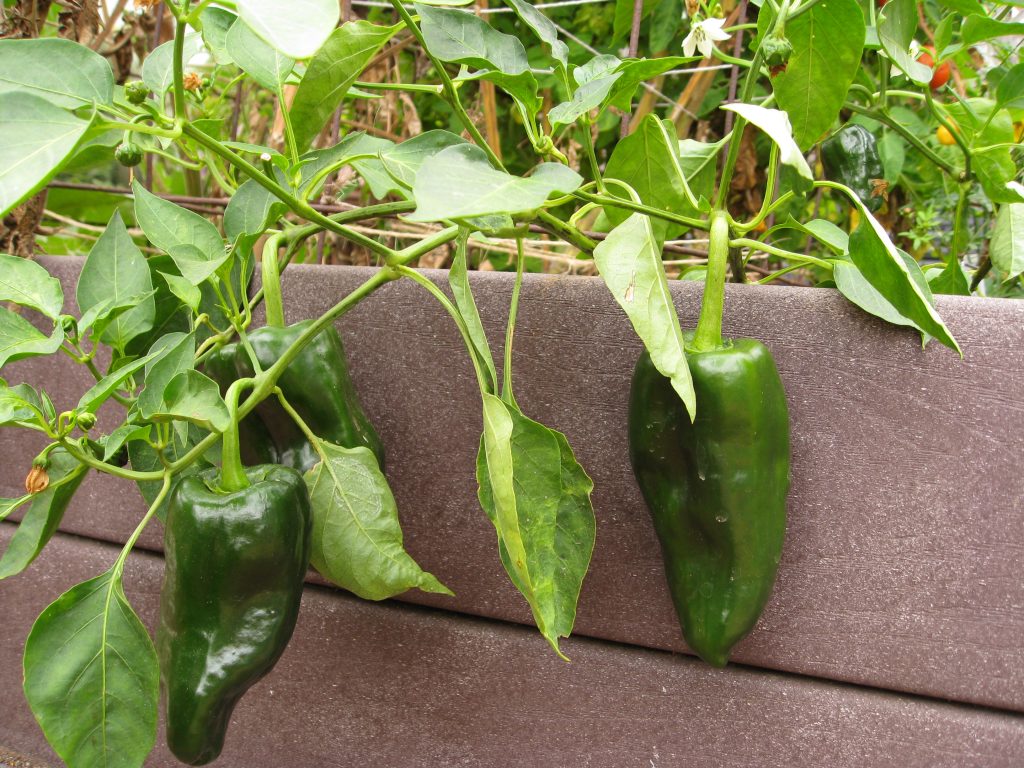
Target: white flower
(704, 33)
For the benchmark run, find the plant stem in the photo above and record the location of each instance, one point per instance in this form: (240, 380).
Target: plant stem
(271, 272)
(617, 202)
(708, 335)
(757, 245)
(513, 311)
(567, 232)
(452, 310)
(299, 207)
(130, 544)
(232, 473)
(180, 28)
(449, 86)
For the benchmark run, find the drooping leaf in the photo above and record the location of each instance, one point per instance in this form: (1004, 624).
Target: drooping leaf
(18, 403)
(538, 498)
(595, 84)
(189, 294)
(629, 261)
(331, 73)
(856, 288)
(92, 678)
(116, 270)
(297, 28)
(1010, 91)
(776, 124)
(191, 396)
(542, 27)
(26, 283)
(951, 280)
(896, 28)
(63, 72)
(258, 59)
(1007, 246)
(355, 145)
(20, 339)
(633, 72)
(44, 514)
(251, 210)
(459, 182)
(458, 280)
(980, 27)
(189, 239)
(897, 279)
(357, 538)
(522, 87)
(126, 433)
(36, 137)
(464, 38)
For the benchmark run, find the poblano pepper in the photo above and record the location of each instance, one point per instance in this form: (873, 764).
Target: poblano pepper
(316, 384)
(237, 549)
(716, 487)
(850, 156)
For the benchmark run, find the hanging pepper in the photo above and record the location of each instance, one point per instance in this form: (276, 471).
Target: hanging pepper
(716, 487)
(850, 156)
(237, 545)
(316, 384)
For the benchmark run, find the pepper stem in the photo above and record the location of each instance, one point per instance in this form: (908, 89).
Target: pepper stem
(272, 282)
(709, 327)
(232, 472)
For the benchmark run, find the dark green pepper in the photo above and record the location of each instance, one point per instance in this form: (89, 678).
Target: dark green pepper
(235, 564)
(850, 156)
(715, 486)
(318, 386)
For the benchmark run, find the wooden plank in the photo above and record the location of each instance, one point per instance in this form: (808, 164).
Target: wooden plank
(905, 534)
(387, 684)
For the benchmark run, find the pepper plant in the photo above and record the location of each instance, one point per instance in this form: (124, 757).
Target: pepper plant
(187, 370)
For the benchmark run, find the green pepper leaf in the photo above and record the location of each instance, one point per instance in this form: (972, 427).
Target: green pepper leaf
(92, 677)
(103, 389)
(27, 284)
(115, 270)
(261, 61)
(36, 137)
(65, 73)
(170, 355)
(896, 29)
(20, 339)
(19, 403)
(332, 72)
(1007, 246)
(828, 41)
(459, 183)
(458, 280)
(462, 37)
(629, 261)
(542, 27)
(538, 498)
(297, 28)
(357, 538)
(44, 515)
(191, 396)
(158, 68)
(403, 161)
(215, 23)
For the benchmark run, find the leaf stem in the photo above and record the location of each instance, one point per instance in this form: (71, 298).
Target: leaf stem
(617, 202)
(513, 311)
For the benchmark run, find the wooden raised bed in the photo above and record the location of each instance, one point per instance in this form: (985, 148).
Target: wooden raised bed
(899, 586)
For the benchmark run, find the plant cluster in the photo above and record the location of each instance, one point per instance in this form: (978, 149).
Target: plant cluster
(173, 324)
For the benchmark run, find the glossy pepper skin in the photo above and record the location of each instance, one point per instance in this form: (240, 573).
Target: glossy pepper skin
(234, 570)
(850, 156)
(716, 487)
(318, 386)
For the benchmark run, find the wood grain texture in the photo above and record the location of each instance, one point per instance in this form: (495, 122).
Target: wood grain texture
(906, 515)
(407, 687)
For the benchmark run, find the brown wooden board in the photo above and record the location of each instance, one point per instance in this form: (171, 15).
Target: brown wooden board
(366, 684)
(901, 568)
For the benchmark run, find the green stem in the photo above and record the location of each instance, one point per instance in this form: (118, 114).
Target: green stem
(452, 310)
(297, 206)
(437, 90)
(289, 132)
(513, 311)
(84, 456)
(423, 247)
(313, 438)
(709, 326)
(232, 472)
(449, 86)
(920, 146)
(271, 272)
(757, 245)
(616, 202)
(130, 544)
(180, 28)
(588, 145)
